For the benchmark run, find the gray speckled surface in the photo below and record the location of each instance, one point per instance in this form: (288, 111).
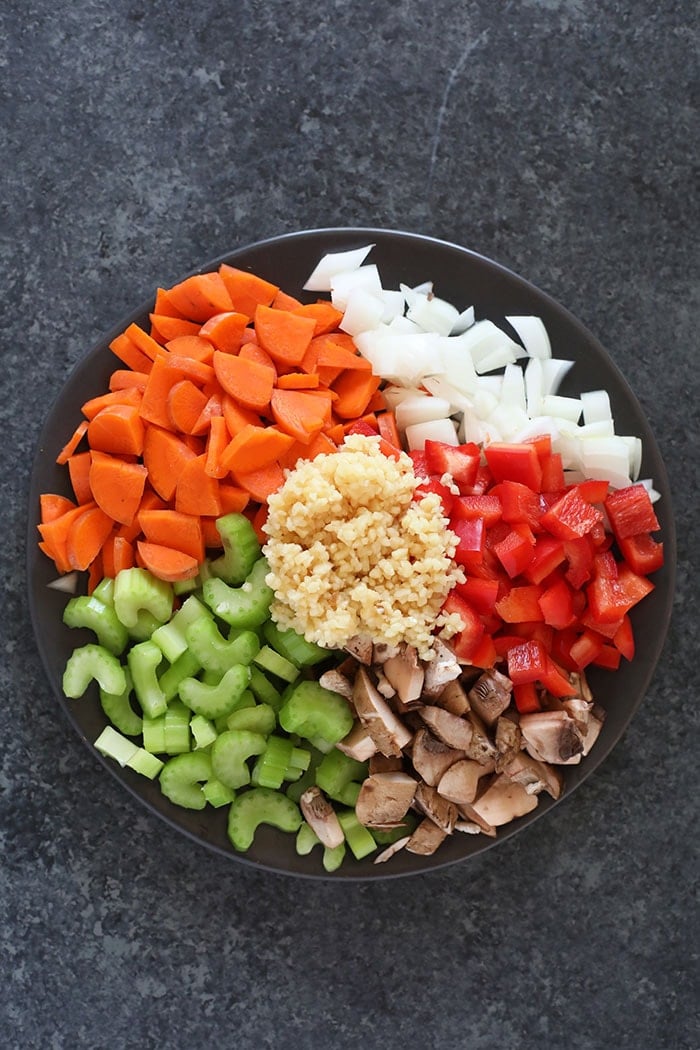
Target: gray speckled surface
(139, 139)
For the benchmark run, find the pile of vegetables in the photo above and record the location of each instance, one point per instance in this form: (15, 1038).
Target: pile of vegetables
(171, 469)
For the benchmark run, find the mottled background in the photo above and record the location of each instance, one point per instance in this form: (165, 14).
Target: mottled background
(139, 139)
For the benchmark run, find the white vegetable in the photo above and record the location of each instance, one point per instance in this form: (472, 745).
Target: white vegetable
(413, 410)
(67, 584)
(342, 284)
(553, 372)
(363, 312)
(434, 430)
(465, 320)
(534, 387)
(433, 314)
(533, 334)
(596, 406)
(561, 407)
(332, 264)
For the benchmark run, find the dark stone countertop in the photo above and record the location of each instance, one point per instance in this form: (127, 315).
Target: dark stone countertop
(140, 139)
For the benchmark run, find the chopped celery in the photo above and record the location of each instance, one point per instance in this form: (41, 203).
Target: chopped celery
(171, 637)
(294, 646)
(269, 660)
(145, 764)
(214, 652)
(135, 591)
(271, 767)
(264, 690)
(229, 754)
(114, 745)
(154, 735)
(143, 629)
(313, 711)
(92, 662)
(336, 771)
(104, 591)
(181, 587)
(118, 709)
(177, 728)
(297, 788)
(260, 806)
(244, 606)
(306, 840)
(258, 719)
(241, 548)
(212, 701)
(357, 836)
(186, 666)
(181, 776)
(333, 857)
(203, 731)
(385, 837)
(143, 660)
(218, 794)
(88, 611)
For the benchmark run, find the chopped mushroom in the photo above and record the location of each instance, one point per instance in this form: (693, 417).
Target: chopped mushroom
(491, 695)
(535, 776)
(503, 801)
(382, 652)
(405, 673)
(384, 763)
(441, 670)
(385, 798)
(508, 739)
(440, 810)
(453, 699)
(337, 683)
(384, 686)
(358, 744)
(460, 782)
(431, 758)
(552, 736)
(481, 748)
(467, 811)
(361, 648)
(389, 734)
(391, 850)
(451, 729)
(426, 838)
(320, 815)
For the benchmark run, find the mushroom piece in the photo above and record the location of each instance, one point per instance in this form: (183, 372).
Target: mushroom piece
(470, 827)
(509, 741)
(388, 732)
(431, 758)
(321, 817)
(337, 683)
(384, 764)
(503, 801)
(361, 648)
(460, 782)
(552, 736)
(405, 673)
(535, 776)
(481, 748)
(592, 733)
(426, 838)
(385, 799)
(453, 699)
(470, 815)
(491, 695)
(441, 670)
(358, 744)
(384, 686)
(382, 651)
(451, 729)
(391, 850)
(440, 810)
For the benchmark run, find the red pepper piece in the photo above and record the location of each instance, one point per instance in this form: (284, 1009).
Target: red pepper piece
(555, 680)
(546, 557)
(562, 642)
(592, 490)
(520, 604)
(642, 553)
(634, 586)
(519, 503)
(608, 657)
(482, 482)
(631, 512)
(553, 473)
(435, 485)
(466, 642)
(420, 467)
(527, 662)
(461, 462)
(481, 594)
(486, 505)
(571, 516)
(484, 654)
(514, 553)
(526, 698)
(471, 536)
(535, 631)
(557, 606)
(607, 602)
(586, 648)
(516, 462)
(624, 638)
(579, 555)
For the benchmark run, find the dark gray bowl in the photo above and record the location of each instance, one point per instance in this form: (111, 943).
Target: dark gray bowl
(464, 278)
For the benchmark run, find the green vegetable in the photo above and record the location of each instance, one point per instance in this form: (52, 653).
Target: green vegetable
(213, 701)
(293, 646)
(203, 730)
(269, 660)
(357, 836)
(119, 710)
(244, 606)
(340, 777)
(230, 752)
(241, 549)
(264, 690)
(214, 652)
(306, 840)
(218, 794)
(89, 611)
(127, 753)
(92, 662)
(186, 666)
(171, 637)
(313, 712)
(143, 660)
(181, 776)
(260, 718)
(260, 806)
(135, 591)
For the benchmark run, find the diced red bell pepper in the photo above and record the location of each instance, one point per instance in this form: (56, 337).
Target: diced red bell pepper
(536, 631)
(461, 462)
(527, 662)
(526, 698)
(607, 630)
(600, 539)
(361, 426)
(447, 497)
(608, 657)
(520, 604)
(593, 490)
(552, 473)
(420, 467)
(562, 642)
(607, 602)
(514, 553)
(484, 655)
(546, 557)
(586, 648)
(466, 642)
(624, 638)
(505, 642)
(486, 505)
(516, 462)
(642, 553)
(555, 680)
(471, 536)
(634, 586)
(631, 512)
(579, 554)
(557, 605)
(542, 444)
(571, 516)
(519, 503)
(482, 482)
(481, 594)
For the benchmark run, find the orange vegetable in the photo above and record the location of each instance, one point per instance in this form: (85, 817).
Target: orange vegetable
(144, 342)
(52, 506)
(260, 484)
(335, 355)
(298, 381)
(186, 402)
(284, 335)
(149, 501)
(355, 389)
(79, 473)
(237, 417)
(95, 571)
(386, 422)
(325, 316)
(172, 528)
(299, 413)
(117, 429)
(125, 379)
(191, 346)
(127, 351)
(196, 492)
(282, 301)
(246, 290)
(210, 534)
(117, 486)
(166, 563)
(72, 443)
(86, 535)
(233, 499)
(254, 448)
(248, 382)
(164, 305)
(55, 534)
(217, 441)
(320, 444)
(200, 297)
(225, 331)
(213, 408)
(117, 554)
(127, 396)
(165, 456)
(167, 328)
(253, 352)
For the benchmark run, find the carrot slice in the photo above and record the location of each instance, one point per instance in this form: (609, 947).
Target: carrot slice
(55, 534)
(149, 501)
(249, 382)
(145, 343)
(52, 506)
(196, 492)
(225, 331)
(191, 346)
(117, 554)
(386, 423)
(299, 413)
(200, 297)
(117, 429)
(86, 536)
(186, 402)
(126, 350)
(168, 370)
(166, 563)
(282, 301)
(125, 379)
(72, 443)
(238, 417)
(298, 381)
(210, 534)
(211, 410)
(173, 327)
(318, 445)
(260, 484)
(377, 402)
(246, 290)
(254, 448)
(217, 441)
(165, 456)
(164, 305)
(79, 473)
(354, 389)
(284, 335)
(172, 528)
(117, 486)
(127, 396)
(95, 570)
(325, 316)
(233, 499)
(253, 352)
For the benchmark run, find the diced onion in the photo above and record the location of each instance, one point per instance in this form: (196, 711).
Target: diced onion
(596, 406)
(342, 284)
(363, 312)
(334, 263)
(66, 584)
(434, 430)
(414, 410)
(533, 334)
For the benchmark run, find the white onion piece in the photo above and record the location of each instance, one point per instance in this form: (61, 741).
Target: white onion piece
(414, 410)
(561, 407)
(483, 339)
(363, 312)
(456, 365)
(334, 263)
(66, 584)
(596, 406)
(342, 284)
(601, 428)
(533, 334)
(492, 384)
(433, 430)
(534, 387)
(426, 288)
(634, 446)
(394, 395)
(538, 426)
(394, 304)
(508, 419)
(606, 457)
(433, 314)
(465, 320)
(513, 387)
(649, 486)
(553, 371)
(440, 387)
(498, 358)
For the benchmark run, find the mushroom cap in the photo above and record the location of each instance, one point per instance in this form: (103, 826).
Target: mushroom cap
(431, 758)
(385, 798)
(503, 801)
(451, 729)
(388, 732)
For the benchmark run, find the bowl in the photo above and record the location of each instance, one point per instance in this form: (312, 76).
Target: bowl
(464, 278)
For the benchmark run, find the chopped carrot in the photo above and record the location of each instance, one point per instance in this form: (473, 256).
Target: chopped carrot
(253, 352)
(185, 404)
(117, 554)
(149, 501)
(248, 382)
(233, 499)
(355, 389)
(95, 571)
(320, 444)
(165, 373)
(130, 395)
(165, 456)
(72, 443)
(117, 486)
(257, 520)
(236, 416)
(377, 402)
(124, 379)
(248, 336)
(147, 345)
(260, 484)
(282, 301)
(210, 534)
(212, 409)
(127, 351)
(247, 290)
(190, 368)
(298, 413)
(117, 429)
(366, 424)
(174, 529)
(168, 328)
(166, 563)
(325, 316)
(196, 492)
(191, 346)
(386, 423)
(217, 440)
(79, 473)
(164, 305)
(225, 331)
(200, 297)
(284, 335)
(52, 506)
(254, 448)
(55, 535)
(336, 433)
(298, 381)
(86, 535)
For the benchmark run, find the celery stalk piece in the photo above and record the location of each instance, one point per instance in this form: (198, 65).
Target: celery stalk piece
(214, 652)
(177, 728)
(268, 660)
(104, 591)
(135, 591)
(306, 840)
(218, 794)
(333, 857)
(313, 711)
(385, 837)
(241, 548)
(336, 771)
(271, 767)
(92, 662)
(260, 718)
(146, 764)
(244, 606)
(119, 710)
(263, 689)
(88, 611)
(357, 836)
(181, 776)
(293, 646)
(154, 735)
(260, 806)
(186, 666)
(230, 752)
(297, 788)
(114, 745)
(213, 701)
(146, 624)
(143, 660)
(203, 731)
(171, 637)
